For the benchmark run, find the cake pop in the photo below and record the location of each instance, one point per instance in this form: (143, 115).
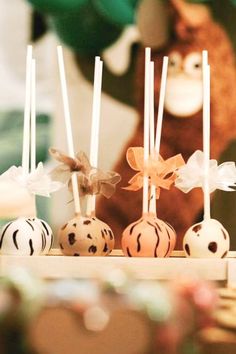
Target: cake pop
(21, 237)
(150, 236)
(91, 181)
(28, 235)
(208, 238)
(87, 236)
(84, 235)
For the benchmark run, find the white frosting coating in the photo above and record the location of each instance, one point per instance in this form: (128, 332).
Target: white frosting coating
(21, 237)
(26, 237)
(46, 233)
(207, 239)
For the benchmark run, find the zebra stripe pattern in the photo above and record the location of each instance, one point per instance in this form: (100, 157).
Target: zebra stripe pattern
(148, 237)
(26, 236)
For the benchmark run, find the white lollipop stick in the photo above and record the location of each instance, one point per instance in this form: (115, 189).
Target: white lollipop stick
(33, 117)
(69, 135)
(33, 122)
(146, 126)
(152, 203)
(151, 108)
(161, 104)
(26, 132)
(206, 132)
(160, 120)
(94, 140)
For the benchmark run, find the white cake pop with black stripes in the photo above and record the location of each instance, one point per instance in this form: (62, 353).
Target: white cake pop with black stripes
(28, 235)
(86, 236)
(21, 237)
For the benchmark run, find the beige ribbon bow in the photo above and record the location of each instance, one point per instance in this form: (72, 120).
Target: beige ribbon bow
(90, 180)
(98, 182)
(69, 165)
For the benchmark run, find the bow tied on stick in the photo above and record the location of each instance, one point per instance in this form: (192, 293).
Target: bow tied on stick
(161, 173)
(99, 182)
(37, 182)
(192, 174)
(90, 180)
(63, 172)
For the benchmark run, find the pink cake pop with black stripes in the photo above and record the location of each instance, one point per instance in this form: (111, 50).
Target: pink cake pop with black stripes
(150, 236)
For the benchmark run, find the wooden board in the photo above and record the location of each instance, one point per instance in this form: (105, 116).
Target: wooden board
(118, 252)
(56, 266)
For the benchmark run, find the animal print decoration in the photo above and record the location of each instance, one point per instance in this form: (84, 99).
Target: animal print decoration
(86, 236)
(208, 239)
(148, 237)
(47, 235)
(26, 237)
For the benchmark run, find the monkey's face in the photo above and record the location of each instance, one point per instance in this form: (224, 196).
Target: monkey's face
(184, 84)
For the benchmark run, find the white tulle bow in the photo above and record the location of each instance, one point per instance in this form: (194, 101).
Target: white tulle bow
(191, 175)
(37, 182)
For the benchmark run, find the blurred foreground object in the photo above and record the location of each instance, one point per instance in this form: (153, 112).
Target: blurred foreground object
(113, 314)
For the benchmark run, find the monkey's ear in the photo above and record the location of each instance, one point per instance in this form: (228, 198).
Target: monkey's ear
(189, 16)
(152, 18)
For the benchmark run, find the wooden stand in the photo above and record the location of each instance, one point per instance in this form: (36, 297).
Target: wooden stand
(56, 266)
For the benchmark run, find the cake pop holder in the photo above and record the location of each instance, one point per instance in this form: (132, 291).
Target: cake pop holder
(57, 266)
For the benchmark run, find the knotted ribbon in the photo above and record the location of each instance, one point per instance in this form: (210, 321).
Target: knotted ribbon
(161, 173)
(37, 182)
(63, 172)
(192, 174)
(90, 180)
(99, 182)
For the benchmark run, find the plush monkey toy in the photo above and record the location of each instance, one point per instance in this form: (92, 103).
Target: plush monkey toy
(194, 30)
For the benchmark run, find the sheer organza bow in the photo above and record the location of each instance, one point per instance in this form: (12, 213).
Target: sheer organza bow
(90, 180)
(192, 174)
(37, 182)
(161, 173)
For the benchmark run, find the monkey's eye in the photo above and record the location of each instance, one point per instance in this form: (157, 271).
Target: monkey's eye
(175, 61)
(193, 65)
